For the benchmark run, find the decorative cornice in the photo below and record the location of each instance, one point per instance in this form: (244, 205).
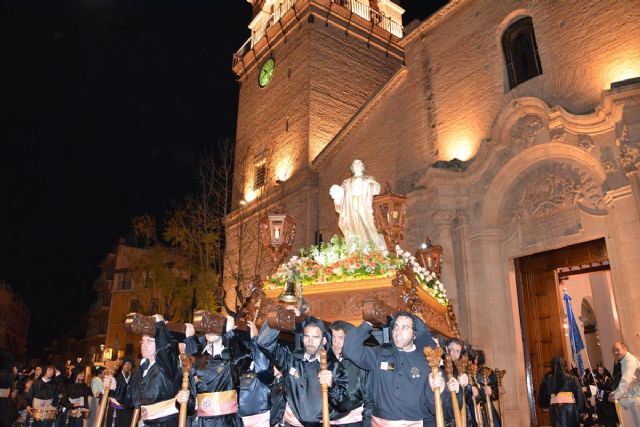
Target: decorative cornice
(358, 118)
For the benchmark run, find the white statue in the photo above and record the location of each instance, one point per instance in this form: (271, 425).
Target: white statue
(354, 202)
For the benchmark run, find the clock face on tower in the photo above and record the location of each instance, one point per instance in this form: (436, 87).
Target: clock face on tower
(266, 72)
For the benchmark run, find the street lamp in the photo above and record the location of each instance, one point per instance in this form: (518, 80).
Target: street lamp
(277, 230)
(390, 216)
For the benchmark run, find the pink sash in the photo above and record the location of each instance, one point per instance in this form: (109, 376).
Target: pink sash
(379, 422)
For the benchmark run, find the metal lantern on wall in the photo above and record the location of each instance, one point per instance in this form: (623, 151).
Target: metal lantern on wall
(430, 257)
(390, 216)
(277, 230)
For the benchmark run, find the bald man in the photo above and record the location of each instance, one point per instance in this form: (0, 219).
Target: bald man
(629, 364)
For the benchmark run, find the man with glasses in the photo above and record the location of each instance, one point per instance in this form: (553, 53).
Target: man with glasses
(157, 382)
(401, 386)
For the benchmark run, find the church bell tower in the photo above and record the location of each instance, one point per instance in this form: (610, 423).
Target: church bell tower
(306, 70)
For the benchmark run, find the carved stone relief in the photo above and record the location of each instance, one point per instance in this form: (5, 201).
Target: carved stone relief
(551, 187)
(629, 151)
(609, 166)
(557, 134)
(525, 130)
(585, 142)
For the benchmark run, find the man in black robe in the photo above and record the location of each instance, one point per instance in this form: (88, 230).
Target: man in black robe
(213, 379)
(157, 382)
(255, 385)
(8, 412)
(120, 409)
(562, 395)
(487, 393)
(302, 375)
(359, 406)
(45, 393)
(401, 386)
(75, 398)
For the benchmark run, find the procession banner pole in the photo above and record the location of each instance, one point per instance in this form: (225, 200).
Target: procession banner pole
(488, 405)
(325, 391)
(433, 358)
(448, 367)
(619, 412)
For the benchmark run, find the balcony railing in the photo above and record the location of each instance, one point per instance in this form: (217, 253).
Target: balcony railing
(361, 9)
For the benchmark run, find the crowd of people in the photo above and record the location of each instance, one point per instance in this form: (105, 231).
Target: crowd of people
(259, 379)
(590, 398)
(61, 394)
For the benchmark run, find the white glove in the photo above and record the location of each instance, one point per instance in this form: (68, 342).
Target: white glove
(453, 385)
(109, 382)
(437, 382)
(463, 380)
(182, 396)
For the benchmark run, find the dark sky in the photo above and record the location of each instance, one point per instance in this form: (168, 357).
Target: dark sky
(105, 109)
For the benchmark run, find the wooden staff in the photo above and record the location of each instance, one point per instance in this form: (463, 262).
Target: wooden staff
(461, 365)
(500, 375)
(448, 367)
(325, 391)
(488, 405)
(102, 409)
(433, 358)
(135, 418)
(473, 372)
(186, 370)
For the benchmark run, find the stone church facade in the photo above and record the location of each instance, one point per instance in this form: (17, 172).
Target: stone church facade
(495, 166)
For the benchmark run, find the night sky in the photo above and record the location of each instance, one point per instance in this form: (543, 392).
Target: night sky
(106, 107)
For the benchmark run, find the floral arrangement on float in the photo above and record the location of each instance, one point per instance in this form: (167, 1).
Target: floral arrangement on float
(333, 263)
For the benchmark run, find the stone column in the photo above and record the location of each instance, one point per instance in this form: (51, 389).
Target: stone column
(623, 246)
(442, 220)
(494, 316)
(460, 230)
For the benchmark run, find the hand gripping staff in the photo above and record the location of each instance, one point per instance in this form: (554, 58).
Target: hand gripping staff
(477, 410)
(185, 360)
(325, 391)
(448, 367)
(102, 409)
(461, 364)
(433, 358)
(500, 375)
(488, 405)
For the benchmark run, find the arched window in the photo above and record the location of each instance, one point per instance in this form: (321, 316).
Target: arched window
(521, 52)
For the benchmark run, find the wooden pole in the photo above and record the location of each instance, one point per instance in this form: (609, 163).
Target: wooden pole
(473, 372)
(135, 418)
(433, 358)
(461, 365)
(102, 409)
(448, 367)
(186, 370)
(488, 405)
(325, 391)
(500, 375)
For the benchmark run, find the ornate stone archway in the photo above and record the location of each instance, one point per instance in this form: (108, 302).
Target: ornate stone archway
(543, 179)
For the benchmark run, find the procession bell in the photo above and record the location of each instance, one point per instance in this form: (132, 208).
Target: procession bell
(289, 293)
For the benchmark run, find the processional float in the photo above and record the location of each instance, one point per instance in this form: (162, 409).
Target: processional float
(362, 276)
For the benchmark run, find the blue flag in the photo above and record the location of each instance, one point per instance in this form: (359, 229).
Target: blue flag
(574, 334)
